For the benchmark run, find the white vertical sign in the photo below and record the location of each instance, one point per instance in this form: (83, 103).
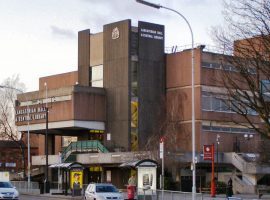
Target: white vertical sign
(161, 149)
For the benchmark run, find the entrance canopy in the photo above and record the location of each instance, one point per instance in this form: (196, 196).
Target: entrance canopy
(67, 165)
(140, 163)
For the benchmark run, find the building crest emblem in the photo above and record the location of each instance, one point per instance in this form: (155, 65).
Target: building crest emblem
(115, 33)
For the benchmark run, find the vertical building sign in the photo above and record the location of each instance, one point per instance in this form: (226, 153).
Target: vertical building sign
(151, 79)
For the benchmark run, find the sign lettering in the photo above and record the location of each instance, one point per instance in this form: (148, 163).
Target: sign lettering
(152, 34)
(36, 113)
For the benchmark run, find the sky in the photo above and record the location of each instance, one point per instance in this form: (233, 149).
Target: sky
(39, 37)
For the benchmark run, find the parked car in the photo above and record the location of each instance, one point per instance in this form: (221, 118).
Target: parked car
(102, 191)
(8, 191)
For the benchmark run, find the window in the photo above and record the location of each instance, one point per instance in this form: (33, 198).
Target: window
(97, 76)
(219, 103)
(105, 188)
(227, 129)
(206, 103)
(228, 67)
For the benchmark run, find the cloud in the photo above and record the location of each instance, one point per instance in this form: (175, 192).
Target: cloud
(100, 12)
(64, 33)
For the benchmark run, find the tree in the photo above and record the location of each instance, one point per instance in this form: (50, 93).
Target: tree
(8, 130)
(245, 74)
(245, 38)
(176, 139)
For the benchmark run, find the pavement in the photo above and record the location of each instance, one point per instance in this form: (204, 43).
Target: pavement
(49, 196)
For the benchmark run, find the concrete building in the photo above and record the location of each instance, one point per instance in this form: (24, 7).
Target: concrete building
(99, 102)
(215, 121)
(126, 94)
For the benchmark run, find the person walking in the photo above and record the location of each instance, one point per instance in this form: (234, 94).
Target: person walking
(229, 191)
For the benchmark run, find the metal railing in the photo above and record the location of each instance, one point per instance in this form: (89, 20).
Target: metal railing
(22, 187)
(143, 194)
(207, 48)
(83, 146)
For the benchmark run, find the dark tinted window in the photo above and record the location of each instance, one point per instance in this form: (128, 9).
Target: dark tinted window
(5, 185)
(105, 188)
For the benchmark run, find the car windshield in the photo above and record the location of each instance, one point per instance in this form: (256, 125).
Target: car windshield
(105, 188)
(5, 185)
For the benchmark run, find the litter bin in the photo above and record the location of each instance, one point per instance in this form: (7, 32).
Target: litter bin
(76, 192)
(130, 191)
(41, 188)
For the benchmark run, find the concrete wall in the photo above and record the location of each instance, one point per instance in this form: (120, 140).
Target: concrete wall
(84, 57)
(179, 99)
(178, 82)
(58, 80)
(68, 103)
(96, 49)
(213, 80)
(116, 82)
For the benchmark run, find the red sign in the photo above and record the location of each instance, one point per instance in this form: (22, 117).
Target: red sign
(207, 152)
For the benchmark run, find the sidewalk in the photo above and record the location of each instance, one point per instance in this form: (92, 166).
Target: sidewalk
(237, 197)
(252, 196)
(205, 197)
(50, 196)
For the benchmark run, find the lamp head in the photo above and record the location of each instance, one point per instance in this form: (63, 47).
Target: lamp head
(153, 5)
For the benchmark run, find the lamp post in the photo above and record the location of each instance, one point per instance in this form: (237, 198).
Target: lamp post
(46, 181)
(158, 6)
(28, 135)
(217, 140)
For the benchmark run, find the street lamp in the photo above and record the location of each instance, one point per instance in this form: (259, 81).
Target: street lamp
(28, 134)
(158, 6)
(46, 181)
(248, 136)
(217, 140)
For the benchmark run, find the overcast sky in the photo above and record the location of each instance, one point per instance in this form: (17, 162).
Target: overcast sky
(39, 37)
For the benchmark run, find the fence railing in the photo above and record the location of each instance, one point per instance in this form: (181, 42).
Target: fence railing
(143, 194)
(22, 187)
(83, 146)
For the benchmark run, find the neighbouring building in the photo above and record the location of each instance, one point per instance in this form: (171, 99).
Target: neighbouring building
(13, 156)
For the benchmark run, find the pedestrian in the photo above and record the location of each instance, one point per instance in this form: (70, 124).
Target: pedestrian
(132, 180)
(229, 191)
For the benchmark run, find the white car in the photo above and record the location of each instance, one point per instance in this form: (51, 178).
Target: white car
(8, 191)
(102, 191)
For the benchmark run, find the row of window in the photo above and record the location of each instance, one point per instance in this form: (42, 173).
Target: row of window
(228, 129)
(96, 72)
(225, 67)
(219, 104)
